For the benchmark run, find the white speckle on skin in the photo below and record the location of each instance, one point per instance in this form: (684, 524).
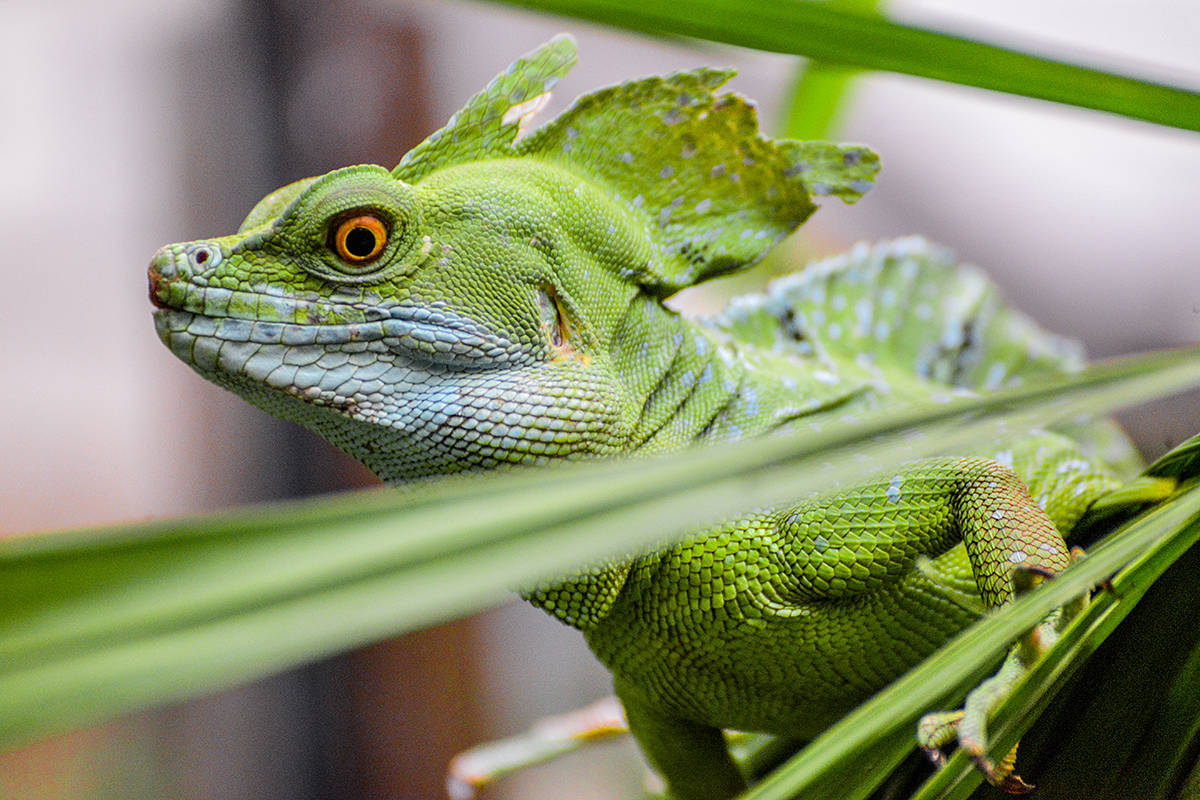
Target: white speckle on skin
(862, 315)
(1073, 465)
(995, 375)
(703, 206)
(666, 172)
(627, 157)
(1017, 556)
(998, 513)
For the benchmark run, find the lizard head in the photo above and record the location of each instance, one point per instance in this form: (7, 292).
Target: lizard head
(422, 328)
(460, 310)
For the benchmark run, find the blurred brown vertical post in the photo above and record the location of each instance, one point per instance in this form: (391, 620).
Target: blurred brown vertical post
(351, 81)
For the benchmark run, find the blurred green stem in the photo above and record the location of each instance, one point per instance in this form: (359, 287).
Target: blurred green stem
(820, 93)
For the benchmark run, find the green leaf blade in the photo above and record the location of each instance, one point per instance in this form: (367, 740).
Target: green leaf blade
(96, 623)
(825, 33)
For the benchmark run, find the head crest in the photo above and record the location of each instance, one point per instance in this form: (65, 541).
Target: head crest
(716, 195)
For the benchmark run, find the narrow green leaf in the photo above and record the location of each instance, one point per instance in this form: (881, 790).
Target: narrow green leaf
(99, 622)
(819, 31)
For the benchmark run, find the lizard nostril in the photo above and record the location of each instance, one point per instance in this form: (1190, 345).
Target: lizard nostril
(203, 256)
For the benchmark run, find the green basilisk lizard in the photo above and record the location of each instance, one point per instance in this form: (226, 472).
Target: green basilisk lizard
(497, 299)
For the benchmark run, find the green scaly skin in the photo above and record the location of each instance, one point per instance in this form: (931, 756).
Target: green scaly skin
(507, 309)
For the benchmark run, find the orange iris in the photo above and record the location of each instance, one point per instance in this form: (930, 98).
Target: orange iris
(360, 240)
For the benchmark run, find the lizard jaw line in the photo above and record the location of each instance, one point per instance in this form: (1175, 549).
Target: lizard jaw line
(420, 341)
(432, 334)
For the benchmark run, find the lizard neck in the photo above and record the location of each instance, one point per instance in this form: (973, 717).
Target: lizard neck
(677, 371)
(701, 381)
(705, 381)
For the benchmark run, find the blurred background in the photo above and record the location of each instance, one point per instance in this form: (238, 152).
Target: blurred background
(133, 123)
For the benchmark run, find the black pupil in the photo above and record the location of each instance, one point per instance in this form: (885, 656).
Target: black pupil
(201, 256)
(360, 242)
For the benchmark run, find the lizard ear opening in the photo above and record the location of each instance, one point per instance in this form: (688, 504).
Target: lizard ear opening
(556, 325)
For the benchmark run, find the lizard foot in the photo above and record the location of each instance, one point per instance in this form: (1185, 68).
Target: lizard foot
(968, 726)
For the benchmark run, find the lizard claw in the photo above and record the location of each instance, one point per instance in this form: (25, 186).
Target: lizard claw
(935, 756)
(1003, 777)
(1013, 784)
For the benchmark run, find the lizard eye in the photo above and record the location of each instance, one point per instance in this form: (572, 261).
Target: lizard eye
(359, 240)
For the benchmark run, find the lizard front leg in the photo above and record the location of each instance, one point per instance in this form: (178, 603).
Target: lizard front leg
(1010, 543)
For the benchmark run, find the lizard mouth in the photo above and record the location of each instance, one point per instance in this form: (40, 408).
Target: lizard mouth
(429, 334)
(157, 289)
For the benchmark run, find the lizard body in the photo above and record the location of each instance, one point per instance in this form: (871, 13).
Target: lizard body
(497, 300)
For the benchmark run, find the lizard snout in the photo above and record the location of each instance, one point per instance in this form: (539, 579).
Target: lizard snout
(162, 266)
